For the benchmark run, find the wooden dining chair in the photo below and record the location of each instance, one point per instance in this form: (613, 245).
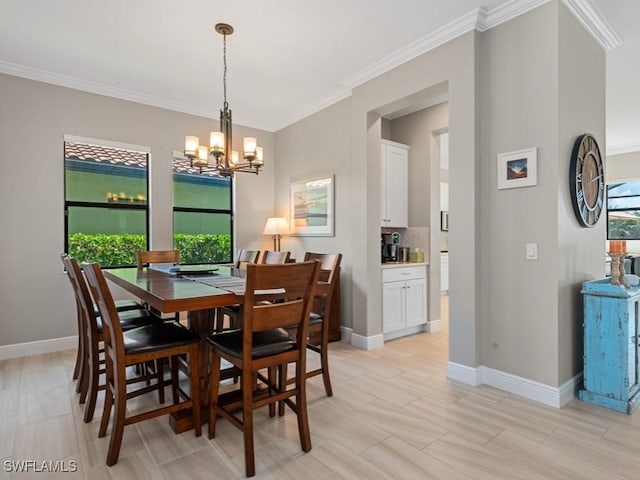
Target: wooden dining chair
(263, 343)
(234, 312)
(121, 305)
(321, 315)
(164, 340)
(91, 336)
(145, 258)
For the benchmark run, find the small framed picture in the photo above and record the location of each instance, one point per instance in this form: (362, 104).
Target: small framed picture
(518, 169)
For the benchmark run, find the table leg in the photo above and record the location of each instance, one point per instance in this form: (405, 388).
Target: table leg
(201, 322)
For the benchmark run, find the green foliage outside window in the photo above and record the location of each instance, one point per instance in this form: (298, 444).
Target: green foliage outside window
(117, 250)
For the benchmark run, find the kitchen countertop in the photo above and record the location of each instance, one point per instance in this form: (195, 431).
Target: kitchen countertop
(403, 264)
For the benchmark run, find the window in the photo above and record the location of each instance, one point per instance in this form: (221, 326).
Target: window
(106, 208)
(623, 211)
(202, 218)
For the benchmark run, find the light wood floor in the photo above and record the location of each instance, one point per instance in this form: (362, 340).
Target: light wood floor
(394, 415)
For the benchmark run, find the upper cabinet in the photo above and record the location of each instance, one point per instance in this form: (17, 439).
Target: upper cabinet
(394, 185)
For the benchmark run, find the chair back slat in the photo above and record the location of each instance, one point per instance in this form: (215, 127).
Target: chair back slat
(245, 257)
(144, 258)
(277, 315)
(270, 257)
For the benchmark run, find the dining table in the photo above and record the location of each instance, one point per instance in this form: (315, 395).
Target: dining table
(198, 290)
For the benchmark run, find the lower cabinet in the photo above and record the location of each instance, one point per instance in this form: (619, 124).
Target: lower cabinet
(404, 300)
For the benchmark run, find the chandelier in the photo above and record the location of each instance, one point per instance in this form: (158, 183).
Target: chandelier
(227, 160)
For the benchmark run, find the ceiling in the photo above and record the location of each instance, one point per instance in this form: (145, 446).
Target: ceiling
(286, 59)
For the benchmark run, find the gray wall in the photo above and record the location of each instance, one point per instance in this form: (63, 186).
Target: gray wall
(622, 167)
(542, 84)
(36, 297)
(320, 145)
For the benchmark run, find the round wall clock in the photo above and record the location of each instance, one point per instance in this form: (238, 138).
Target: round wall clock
(586, 178)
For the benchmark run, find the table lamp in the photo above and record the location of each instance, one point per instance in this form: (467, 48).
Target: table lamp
(276, 226)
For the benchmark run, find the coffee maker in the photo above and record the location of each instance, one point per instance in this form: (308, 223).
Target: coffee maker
(389, 244)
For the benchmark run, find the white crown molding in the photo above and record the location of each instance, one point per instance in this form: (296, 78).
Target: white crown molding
(338, 95)
(448, 32)
(479, 19)
(592, 19)
(622, 149)
(97, 88)
(507, 11)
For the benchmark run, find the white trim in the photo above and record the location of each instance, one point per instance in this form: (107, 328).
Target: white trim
(505, 12)
(523, 387)
(442, 35)
(345, 334)
(622, 149)
(367, 343)
(594, 22)
(479, 19)
(38, 347)
(464, 374)
(433, 326)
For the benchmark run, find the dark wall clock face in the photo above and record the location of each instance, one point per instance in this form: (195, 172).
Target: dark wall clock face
(586, 178)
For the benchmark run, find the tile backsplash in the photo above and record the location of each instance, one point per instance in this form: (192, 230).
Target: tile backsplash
(413, 237)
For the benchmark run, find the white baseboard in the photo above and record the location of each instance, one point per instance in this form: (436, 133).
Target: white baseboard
(524, 387)
(345, 334)
(367, 343)
(433, 326)
(38, 347)
(464, 374)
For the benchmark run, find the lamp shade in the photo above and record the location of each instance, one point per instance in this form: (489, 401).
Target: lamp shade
(276, 226)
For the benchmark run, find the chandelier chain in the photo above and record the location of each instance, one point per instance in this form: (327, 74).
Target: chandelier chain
(224, 75)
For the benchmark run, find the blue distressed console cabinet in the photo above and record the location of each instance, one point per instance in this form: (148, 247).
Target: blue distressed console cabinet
(611, 345)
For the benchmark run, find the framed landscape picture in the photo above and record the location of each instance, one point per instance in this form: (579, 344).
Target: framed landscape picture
(311, 207)
(518, 169)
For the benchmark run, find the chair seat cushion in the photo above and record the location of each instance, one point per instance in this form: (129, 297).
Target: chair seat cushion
(158, 336)
(131, 319)
(315, 319)
(265, 343)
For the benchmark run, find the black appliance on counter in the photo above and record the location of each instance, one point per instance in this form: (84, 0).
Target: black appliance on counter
(390, 248)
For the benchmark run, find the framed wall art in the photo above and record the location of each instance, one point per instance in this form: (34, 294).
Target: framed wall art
(518, 169)
(311, 207)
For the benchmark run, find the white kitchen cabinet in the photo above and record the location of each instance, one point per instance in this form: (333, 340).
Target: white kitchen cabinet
(404, 300)
(444, 196)
(444, 272)
(394, 174)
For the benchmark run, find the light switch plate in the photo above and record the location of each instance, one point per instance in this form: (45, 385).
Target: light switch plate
(531, 251)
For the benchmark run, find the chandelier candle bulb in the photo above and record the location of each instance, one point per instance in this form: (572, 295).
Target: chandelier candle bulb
(191, 145)
(259, 156)
(216, 143)
(203, 157)
(235, 157)
(250, 144)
